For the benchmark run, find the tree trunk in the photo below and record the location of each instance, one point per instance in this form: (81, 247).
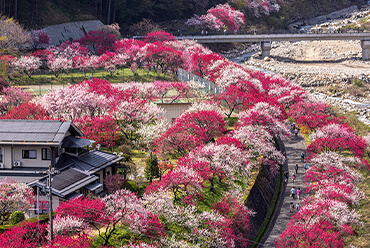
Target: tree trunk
(15, 8)
(114, 12)
(101, 7)
(109, 9)
(10, 8)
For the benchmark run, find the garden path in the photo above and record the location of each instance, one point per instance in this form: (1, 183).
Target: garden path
(294, 147)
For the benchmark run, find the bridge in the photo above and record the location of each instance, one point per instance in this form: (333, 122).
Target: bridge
(266, 39)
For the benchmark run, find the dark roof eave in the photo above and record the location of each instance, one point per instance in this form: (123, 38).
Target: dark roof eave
(68, 190)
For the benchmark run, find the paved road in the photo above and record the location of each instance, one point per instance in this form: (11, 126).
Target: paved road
(294, 148)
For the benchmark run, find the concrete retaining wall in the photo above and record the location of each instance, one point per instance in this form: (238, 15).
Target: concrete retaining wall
(261, 196)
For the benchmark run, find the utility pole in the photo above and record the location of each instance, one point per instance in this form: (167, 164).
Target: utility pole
(51, 171)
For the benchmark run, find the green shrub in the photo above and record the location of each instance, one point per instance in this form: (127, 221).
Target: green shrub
(132, 186)
(16, 217)
(358, 82)
(42, 217)
(231, 121)
(126, 149)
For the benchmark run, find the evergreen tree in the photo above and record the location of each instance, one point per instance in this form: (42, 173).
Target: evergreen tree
(151, 169)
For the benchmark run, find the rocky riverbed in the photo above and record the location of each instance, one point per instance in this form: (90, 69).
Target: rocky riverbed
(332, 70)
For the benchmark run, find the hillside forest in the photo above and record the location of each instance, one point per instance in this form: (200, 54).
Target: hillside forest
(36, 14)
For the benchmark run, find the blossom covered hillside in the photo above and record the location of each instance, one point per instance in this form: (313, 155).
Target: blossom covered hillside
(200, 201)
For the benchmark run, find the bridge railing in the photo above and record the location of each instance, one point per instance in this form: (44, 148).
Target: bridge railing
(207, 86)
(251, 32)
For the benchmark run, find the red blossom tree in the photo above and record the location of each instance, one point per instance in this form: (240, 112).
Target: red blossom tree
(319, 234)
(115, 182)
(31, 234)
(80, 241)
(102, 129)
(163, 58)
(356, 146)
(189, 131)
(98, 42)
(238, 214)
(28, 111)
(159, 36)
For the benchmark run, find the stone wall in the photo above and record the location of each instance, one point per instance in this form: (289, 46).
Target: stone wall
(261, 196)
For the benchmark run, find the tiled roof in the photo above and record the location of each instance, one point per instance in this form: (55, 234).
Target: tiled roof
(66, 178)
(35, 131)
(90, 162)
(67, 181)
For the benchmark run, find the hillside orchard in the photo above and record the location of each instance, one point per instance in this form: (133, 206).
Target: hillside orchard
(199, 201)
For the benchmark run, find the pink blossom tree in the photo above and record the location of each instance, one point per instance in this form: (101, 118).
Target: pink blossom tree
(13, 97)
(59, 64)
(263, 7)
(77, 101)
(14, 196)
(265, 115)
(132, 114)
(219, 17)
(159, 36)
(107, 62)
(98, 42)
(27, 64)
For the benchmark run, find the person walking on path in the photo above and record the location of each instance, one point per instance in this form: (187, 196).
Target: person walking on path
(302, 157)
(286, 175)
(293, 178)
(291, 207)
(293, 125)
(294, 147)
(296, 132)
(296, 168)
(299, 192)
(292, 192)
(305, 167)
(297, 207)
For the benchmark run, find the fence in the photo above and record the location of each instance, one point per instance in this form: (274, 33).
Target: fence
(207, 86)
(40, 89)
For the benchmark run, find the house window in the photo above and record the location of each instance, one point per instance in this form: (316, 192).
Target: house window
(46, 154)
(28, 153)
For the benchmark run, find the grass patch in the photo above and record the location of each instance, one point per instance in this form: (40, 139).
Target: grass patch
(212, 196)
(251, 181)
(75, 76)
